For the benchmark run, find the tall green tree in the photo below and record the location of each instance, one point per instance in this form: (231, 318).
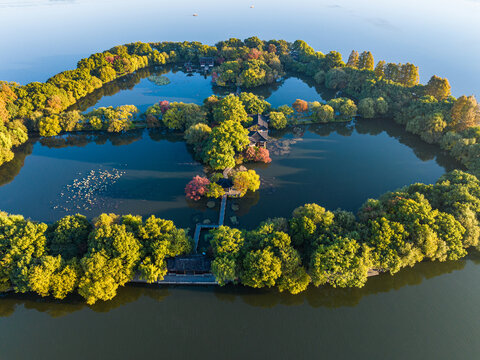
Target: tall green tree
(365, 61)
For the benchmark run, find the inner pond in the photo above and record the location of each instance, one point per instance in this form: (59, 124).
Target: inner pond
(145, 172)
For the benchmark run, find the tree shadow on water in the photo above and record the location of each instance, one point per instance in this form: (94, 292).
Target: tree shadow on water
(329, 297)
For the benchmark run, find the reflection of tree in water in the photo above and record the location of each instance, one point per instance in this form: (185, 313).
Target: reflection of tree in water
(11, 169)
(328, 297)
(343, 129)
(80, 139)
(126, 82)
(244, 204)
(129, 81)
(340, 297)
(73, 303)
(267, 90)
(160, 135)
(421, 149)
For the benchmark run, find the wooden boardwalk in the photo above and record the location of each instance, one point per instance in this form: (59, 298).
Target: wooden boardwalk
(223, 205)
(182, 279)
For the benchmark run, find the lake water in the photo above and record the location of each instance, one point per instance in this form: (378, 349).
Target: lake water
(430, 311)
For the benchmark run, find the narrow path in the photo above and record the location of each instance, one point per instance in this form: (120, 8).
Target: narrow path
(182, 279)
(223, 205)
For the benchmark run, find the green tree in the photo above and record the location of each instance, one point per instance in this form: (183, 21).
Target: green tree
(68, 236)
(380, 69)
(345, 108)
(343, 262)
(319, 77)
(294, 278)
(334, 59)
(21, 242)
(286, 110)
(336, 79)
(254, 42)
(230, 108)
(197, 134)
(181, 116)
(70, 120)
(438, 87)
(160, 239)
(323, 113)
(215, 191)
(246, 180)
(224, 269)
(49, 126)
(277, 120)
(113, 253)
(391, 250)
(261, 268)
(366, 108)
(381, 106)
(52, 276)
(173, 119)
(224, 140)
(226, 246)
(254, 104)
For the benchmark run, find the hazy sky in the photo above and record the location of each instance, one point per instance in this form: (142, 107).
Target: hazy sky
(440, 36)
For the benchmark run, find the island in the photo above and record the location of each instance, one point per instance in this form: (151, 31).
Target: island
(420, 222)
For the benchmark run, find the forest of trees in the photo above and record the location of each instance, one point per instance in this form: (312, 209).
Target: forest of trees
(93, 259)
(417, 223)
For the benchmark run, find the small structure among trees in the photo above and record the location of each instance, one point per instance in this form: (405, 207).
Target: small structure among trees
(189, 264)
(207, 63)
(226, 184)
(258, 131)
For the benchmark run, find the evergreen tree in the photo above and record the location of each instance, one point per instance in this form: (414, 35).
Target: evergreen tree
(353, 59)
(366, 61)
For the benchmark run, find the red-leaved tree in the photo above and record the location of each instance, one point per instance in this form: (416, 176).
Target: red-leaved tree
(257, 154)
(164, 106)
(254, 54)
(196, 188)
(300, 106)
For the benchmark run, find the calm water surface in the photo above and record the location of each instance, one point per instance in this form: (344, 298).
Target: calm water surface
(430, 311)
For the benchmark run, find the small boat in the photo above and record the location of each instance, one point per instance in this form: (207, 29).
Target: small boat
(195, 14)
